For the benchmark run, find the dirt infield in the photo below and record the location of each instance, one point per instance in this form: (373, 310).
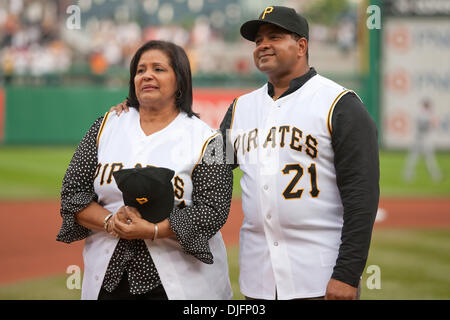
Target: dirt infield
(28, 248)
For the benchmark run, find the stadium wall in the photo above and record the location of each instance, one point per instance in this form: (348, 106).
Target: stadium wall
(62, 115)
(47, 115)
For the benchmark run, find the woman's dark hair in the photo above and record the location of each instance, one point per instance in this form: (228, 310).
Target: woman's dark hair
(180, 65)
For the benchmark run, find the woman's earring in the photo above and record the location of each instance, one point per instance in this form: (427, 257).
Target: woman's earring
(178, 94)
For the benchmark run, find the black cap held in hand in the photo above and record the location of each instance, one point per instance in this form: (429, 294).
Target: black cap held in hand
(284, 17)
(149, 190)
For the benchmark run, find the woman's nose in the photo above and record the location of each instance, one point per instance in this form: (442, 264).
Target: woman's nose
(148, 75)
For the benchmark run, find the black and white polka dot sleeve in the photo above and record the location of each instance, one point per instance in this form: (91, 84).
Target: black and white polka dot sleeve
(77, 190)
(212, 183)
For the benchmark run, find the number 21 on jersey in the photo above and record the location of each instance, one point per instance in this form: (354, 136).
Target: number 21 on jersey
(289, 192)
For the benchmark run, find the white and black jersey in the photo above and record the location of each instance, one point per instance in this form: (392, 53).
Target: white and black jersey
(309, 188)
(203, 189)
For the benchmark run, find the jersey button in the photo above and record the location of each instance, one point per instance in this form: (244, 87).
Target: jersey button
(266, 187)
(275, 244)
(268, 217)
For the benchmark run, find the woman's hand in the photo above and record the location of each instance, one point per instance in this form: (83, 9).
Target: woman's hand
(120, 107)
(128, 224)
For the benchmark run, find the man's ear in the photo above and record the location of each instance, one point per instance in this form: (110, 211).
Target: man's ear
(302, 44)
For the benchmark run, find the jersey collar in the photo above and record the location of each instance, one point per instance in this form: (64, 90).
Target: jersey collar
(294, 84)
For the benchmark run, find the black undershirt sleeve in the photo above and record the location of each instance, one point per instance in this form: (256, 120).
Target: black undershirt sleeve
(226, 122)
(356, 160)
(230, 157)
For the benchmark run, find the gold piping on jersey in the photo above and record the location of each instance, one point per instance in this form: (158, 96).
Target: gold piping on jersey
(232, 114)
(330, 129)
(203, 150)
(105, 118)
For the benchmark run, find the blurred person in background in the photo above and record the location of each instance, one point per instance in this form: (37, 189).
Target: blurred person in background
(125, 256)
(7, 64)
(346, 34)
(422, 144)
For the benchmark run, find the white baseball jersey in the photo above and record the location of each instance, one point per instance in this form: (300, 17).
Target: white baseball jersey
(293, 213)
(179, 146)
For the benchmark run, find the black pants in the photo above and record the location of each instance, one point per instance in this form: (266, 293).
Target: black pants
(122, 292)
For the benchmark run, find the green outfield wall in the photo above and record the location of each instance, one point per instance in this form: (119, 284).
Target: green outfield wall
(45, 115)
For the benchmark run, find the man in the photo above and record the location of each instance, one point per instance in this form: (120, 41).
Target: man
(309, 155)
(423, 144)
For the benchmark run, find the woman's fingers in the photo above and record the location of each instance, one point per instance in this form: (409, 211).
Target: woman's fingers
(112, 228)
(132, 213)
(122, 214)
(120, 227)
(127, 223)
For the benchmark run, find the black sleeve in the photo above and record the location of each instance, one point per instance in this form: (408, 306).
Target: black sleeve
(211, 197)
(77, 190)
(230, 157)
(356, 159)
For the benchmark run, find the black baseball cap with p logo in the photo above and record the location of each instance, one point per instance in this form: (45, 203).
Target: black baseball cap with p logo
(284, 17)
(149, 190)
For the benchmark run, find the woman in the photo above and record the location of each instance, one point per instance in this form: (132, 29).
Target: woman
(125, 256)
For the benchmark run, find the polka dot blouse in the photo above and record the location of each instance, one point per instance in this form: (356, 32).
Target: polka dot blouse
(193, 226)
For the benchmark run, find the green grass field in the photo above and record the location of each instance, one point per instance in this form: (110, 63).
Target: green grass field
(37, 172)
(414, 263)
(33, 172)
(391, 177)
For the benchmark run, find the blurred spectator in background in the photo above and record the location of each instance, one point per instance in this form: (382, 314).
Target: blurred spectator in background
(7, 65)
(34, 34)
(422, 144)
(98, 63)
(30, 42)
(346, 35)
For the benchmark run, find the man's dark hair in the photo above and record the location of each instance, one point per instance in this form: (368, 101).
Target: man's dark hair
(180, 65)
(297, 37)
